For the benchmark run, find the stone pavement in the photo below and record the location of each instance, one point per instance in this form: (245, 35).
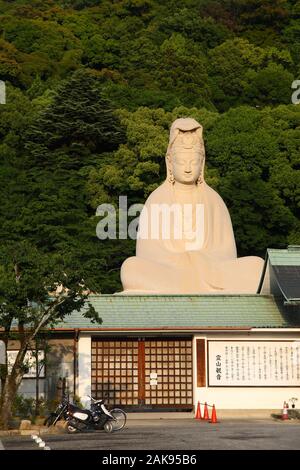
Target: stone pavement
(183, 434)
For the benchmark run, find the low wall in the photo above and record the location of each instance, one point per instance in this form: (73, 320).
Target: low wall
(242, 397)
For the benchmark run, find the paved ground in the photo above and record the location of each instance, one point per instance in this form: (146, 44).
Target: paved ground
(175, 435)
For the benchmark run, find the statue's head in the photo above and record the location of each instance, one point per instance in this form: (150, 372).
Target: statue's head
(185, 156)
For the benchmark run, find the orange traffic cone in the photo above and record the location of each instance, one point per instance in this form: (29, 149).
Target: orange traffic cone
(214, 419)
(198, 412)
(206, 415)
(285, 415)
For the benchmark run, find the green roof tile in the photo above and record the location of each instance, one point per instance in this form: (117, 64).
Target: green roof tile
(182, 311)
(288, 257)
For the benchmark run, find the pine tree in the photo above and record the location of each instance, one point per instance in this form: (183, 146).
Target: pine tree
(79, 122)
(47, 202)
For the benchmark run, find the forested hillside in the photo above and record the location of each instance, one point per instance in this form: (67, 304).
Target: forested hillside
(92, 88)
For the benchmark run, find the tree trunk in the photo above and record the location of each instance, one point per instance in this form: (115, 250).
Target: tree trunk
(37, 380)
(11, 385)
(4, 367)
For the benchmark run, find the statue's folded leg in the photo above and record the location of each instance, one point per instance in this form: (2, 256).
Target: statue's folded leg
(136, 273)
(241, 275)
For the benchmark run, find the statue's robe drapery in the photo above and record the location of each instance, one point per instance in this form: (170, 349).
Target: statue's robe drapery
(213, 268)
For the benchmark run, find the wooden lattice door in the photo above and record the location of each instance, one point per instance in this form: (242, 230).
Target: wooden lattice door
(154, 373)
(169, 373)
(115, 371)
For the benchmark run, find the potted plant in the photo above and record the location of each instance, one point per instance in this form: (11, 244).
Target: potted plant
(293, 401)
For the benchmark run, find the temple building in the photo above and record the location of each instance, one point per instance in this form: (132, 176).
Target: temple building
(166, 352)
(194, 322)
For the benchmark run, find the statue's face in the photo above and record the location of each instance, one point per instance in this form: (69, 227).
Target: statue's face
(186, 164)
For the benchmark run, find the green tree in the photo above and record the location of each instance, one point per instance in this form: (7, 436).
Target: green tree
(69, 137)
(183, 68)
(36, 291)
(242, 73)
(270, 85)
(190, 23)
(246, 148)
(79, 121)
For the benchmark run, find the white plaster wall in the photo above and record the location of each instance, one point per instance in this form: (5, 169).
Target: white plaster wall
(243, 397)
(223, 397)
(84, 368)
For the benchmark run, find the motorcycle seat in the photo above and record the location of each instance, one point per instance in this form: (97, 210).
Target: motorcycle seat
(75, 408)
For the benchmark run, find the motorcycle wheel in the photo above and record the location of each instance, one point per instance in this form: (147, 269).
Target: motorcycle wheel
(120, 419)
(50, 420)
(108, 427)
(71, 429)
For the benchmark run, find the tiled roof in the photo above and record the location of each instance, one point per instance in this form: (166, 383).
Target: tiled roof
(286, 268)
(182, 311)
(287, 257)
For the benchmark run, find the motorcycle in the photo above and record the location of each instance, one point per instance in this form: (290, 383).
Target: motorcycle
(98, 417)
(59, 413)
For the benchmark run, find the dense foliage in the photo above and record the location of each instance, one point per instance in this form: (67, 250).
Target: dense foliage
(93, 87)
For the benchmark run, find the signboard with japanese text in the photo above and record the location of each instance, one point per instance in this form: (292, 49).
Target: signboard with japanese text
(254, 363)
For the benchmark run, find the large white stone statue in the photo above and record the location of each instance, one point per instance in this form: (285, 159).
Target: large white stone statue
(198, 254)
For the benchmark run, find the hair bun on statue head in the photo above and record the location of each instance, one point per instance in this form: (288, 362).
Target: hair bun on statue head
(185, 133)
(184, 125)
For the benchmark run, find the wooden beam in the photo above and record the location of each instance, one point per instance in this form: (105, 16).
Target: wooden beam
(141, 372)
(201, 363)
